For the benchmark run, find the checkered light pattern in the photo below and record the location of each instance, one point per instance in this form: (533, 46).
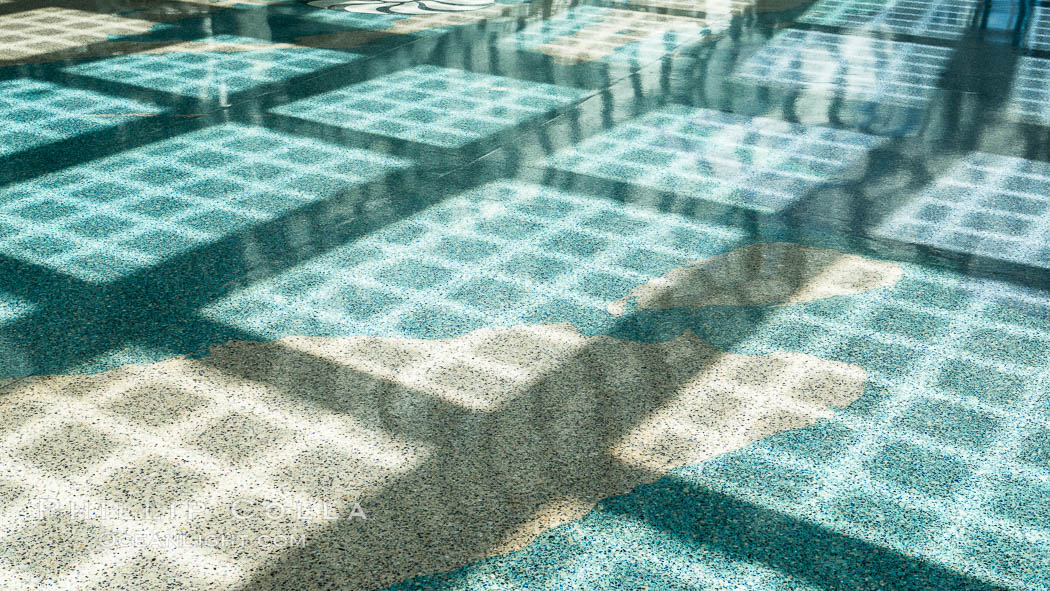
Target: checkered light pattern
(36, 113)
(940, 19)
(716, 7)
(945, 456)
(939, 461)
(33, 34)
(1039, 29)
(210, 75)
(435, 106)
(504, 254)
(128, 212)
(755, 163)
(959, 367)
(588, 34)
(987, 205)
(1029, 99)
(133, 482)
(856, 67)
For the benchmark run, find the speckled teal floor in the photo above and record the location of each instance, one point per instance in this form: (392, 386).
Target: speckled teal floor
(178, 174)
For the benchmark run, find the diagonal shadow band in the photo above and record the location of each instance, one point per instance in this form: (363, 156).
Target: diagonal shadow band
(538, 452)
(700, 516)
(493, 480)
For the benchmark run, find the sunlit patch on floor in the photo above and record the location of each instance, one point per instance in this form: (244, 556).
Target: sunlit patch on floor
(435, 106)
(855, 67)
(53, 33)
(687, 253)
(127, 212)
(36, 113)
(718, 7)
(942, 19)
(754, 163)
(761, 275)
(399, 429)
(1030, 93)
(938, 453)
(32, 34)
(164, 459)
(992, 206)
(691, 426)
(502, 254)
(213, 69)
(587, 34)
(1039, 28)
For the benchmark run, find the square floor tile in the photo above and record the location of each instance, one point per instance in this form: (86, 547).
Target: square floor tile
(988, 205)
(36, 113)
(1029, 99)
(1039, 29)
(213, 74)
(116, 215)
(451, 108)
(757, 163)
(942, 19)
(589, 33)
(858, 68)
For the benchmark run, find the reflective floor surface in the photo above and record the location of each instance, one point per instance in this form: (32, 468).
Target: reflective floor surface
(549, 294)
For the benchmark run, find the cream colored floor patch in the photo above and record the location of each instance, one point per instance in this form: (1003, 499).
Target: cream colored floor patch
(762, 274)
(56, 34)
(34, 34)
(121, 48)
(203, 470)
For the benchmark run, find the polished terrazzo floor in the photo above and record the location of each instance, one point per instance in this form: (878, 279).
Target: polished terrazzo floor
(548, 294)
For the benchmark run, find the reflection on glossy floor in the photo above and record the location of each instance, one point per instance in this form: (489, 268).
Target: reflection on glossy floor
(556, 294)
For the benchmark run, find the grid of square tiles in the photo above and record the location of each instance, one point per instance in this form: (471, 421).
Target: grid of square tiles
(1039, 29)
(588, 33)
(24, 36)
(916, 465)
(960, 441)
(859, 68)
(135, 477)
(988, 205)
(718, 7)
(113, 216)
(36, 113)
(757, 163)
(504, 254)
(214, 75)
(1030, 93)
(942, 19)
(942, 463)
(436, 106)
